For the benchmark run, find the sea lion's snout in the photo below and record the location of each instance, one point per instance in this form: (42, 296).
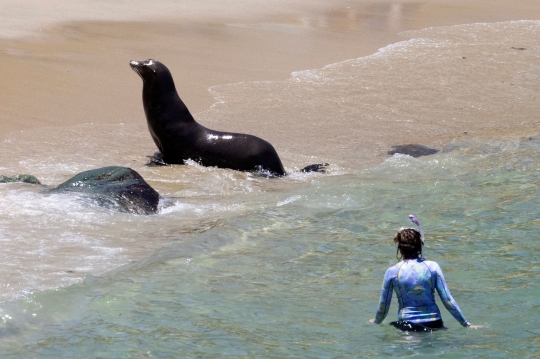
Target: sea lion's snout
(137, 66)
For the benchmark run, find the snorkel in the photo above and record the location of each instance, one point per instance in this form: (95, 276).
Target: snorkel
(415, 221)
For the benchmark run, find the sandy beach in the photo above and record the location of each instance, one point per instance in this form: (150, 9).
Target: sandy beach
(241, 265)
(65, 65)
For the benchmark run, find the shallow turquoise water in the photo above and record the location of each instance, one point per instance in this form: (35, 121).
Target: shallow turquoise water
(300, 274)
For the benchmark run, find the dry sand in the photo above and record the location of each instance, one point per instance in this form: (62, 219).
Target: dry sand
(65, 64)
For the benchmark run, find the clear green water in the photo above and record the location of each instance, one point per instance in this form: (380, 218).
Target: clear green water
(302, 278)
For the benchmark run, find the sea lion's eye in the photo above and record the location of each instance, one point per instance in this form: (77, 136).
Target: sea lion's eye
(148, 63)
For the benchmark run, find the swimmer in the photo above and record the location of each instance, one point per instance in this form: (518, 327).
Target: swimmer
(415, 280)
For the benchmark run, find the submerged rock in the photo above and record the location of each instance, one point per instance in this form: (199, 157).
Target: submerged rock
(118, 188)
(413, 150)
(19, 178)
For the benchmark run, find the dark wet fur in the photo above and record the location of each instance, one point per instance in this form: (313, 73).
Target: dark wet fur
(318, 167)
(179, 137)
(156, 160)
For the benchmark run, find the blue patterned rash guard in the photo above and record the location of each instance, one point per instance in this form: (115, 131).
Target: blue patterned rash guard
(414, 282)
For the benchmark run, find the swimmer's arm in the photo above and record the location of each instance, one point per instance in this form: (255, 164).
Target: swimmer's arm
(448, 300)
(386, 298)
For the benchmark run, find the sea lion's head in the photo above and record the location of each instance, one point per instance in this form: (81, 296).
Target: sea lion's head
(153, 73)
(147, 70)
(160, 100)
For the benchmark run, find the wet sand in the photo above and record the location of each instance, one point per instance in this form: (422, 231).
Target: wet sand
(62, 68)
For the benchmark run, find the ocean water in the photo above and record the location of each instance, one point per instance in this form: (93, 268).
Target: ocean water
(238, 265)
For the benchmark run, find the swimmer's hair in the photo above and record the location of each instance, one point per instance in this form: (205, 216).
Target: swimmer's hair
(409, 243)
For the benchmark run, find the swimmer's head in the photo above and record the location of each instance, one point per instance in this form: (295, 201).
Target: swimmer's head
(409, 242)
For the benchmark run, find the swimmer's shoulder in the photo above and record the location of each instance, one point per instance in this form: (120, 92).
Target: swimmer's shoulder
(432, 265)
(393, 270)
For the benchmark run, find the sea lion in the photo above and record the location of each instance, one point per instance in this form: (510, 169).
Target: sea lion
(179, 137)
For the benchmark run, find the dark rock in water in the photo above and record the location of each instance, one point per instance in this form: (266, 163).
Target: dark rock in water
(118, 188)
(19, 178)
(413, 150)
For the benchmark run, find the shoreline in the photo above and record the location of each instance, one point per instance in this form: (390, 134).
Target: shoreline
(77, 72)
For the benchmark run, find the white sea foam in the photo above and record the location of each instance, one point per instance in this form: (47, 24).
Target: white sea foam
(289, 200)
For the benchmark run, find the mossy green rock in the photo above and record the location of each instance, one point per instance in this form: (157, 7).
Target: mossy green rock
(118, 188)
(19, 178)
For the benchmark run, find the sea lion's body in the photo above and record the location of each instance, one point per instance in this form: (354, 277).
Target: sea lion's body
(179, 137)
